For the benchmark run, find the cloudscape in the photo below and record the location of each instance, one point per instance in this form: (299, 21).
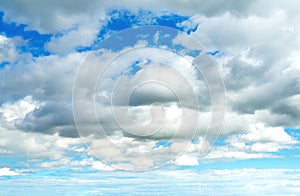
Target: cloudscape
(149, 97)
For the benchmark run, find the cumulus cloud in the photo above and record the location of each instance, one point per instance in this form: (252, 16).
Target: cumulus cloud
(258, 142)
(185, 160)
(52, 16)
(39, 93)
(83, 36)
(5, 171)
(56, 16)
(17, 110)
(35, 146)
(8, 50)
(259, 72)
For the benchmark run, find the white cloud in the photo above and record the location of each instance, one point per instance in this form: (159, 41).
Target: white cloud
(5, 171)
(35, 145)
(18, 110)
(8, 51)
(267, 134)
(259, 141)
(54, 16)
(226, 153)
(258, 65)
(83, 36)
(100, 166)
(185, 160)
(265, 147)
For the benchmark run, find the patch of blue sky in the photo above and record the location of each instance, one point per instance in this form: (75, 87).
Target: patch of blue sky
(181, 50)
(163, 143)
(221, 141)
(12, 161)
(3, 64)
(132, 69)
(78, 156)
(294, 132)
(213, 53)
(51, 172)
(216, 53)
(292, 152)
(174, 21)
(130, 37)
(194, 141)
(263, 163)
(193, 53)
(34, 40)
(123, 19)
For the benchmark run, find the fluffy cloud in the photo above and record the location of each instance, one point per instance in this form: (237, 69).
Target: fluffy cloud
(17, 110)
(41, 89)
(185, 160)
(54, 16)
(83, 36)
(35, 146)
(57, 16)
(7, 172)
(258, 142)
(8, 51)
(260, 73)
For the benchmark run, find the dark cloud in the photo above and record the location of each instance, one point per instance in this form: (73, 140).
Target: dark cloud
(49, 16)
(49, 118)
(267, 95)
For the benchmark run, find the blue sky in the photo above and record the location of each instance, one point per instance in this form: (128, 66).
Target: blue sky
(63, 123)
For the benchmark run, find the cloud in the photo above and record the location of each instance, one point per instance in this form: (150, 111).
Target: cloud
(43, 78)
(267, 134)
(17, 110)
(36, 94)
(250, 62)
(5, 171)
(52, 16)
(8, 50)
(257, 56)
(260, 141)
(82, 36)
(56, 16)
(259, 72)
(35, 146)
(50, 117)
(185, 160)
(100, 166)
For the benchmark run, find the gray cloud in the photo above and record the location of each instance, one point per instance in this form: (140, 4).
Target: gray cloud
(56, 16)
(50, 16)
(257, 58)
(49, 81)
(51, 117)
(264, 96)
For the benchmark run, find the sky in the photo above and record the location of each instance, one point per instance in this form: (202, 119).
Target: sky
(149, 97)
